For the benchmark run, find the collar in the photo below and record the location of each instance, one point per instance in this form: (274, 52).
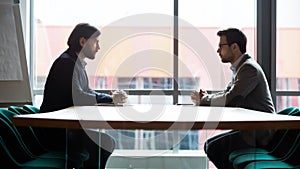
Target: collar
(75, 58)
(82, 62)
(234, 66)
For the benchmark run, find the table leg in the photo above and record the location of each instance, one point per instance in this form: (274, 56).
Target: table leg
(66, 151)
(99, 149)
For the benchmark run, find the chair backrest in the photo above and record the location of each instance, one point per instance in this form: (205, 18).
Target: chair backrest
(26, 134)
(18, 110)
(292, 111)
(284, 139)
(14, 155)
(13, 142)
(294, 154)
(289, 142)
(31, 108)
(295, 112)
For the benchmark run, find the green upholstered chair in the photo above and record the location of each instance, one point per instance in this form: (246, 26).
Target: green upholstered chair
(28, 136)
(30, 139)
(290, 156)
(30, 108)
(18, 110)
(281, 137)
(18, 154)
(291, 111)
(285, 141)
(9, 162)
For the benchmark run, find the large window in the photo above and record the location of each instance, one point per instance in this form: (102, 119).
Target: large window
(287, 50)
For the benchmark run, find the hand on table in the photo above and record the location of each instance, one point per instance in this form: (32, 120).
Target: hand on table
(119, 97)
(196, 96)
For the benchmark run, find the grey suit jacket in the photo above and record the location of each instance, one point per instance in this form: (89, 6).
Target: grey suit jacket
(250, 90)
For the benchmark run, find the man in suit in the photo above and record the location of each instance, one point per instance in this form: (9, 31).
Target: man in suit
(67, 85)
(248, 89)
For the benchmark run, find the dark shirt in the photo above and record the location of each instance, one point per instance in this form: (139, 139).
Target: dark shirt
(67, 85)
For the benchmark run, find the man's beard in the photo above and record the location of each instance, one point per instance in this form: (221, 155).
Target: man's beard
(88, 53)
(224, 60)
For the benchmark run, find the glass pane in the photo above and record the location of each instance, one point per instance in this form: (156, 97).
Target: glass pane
(199, 21)
(136, 41)
(287, 47)
(156, 140)
(287, 101)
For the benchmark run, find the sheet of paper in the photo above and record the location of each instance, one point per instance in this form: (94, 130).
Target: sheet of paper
(10, 65)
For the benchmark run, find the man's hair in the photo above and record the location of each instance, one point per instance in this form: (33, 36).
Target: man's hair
(234, 35)
(81, 30)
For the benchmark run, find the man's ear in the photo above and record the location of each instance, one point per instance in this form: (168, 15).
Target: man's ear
(82, 41)
(235, 46)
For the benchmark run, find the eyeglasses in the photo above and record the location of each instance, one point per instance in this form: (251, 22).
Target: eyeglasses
(222, 44)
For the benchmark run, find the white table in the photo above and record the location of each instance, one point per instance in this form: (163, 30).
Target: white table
(158, 117)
